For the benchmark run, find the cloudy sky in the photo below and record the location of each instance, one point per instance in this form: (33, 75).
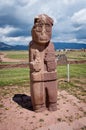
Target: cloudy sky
(17, 16)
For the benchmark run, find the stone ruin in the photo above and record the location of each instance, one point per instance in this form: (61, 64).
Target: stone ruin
(42, 62)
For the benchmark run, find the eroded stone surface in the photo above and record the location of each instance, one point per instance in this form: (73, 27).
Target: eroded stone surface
(43, 77)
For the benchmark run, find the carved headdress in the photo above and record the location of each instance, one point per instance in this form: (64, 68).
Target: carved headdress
(43, 17)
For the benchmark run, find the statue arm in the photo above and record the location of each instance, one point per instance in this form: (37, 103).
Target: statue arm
(34, 60)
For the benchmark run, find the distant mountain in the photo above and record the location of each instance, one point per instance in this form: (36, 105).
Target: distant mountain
(62, 45)
(58, 45)
(4, 47)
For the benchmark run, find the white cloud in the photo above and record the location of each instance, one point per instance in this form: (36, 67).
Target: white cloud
(8, 29)
(79, 17)
(16, 40)
(31, 2)
(18, 16)
(6, 3)
(25, 2)
(67, 2)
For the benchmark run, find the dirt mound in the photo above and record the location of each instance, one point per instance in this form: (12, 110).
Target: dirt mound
(18, 65)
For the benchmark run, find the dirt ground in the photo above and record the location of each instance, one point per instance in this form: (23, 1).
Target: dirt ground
(16, 114)
(5, 59)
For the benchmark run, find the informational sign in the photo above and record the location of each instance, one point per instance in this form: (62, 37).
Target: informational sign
(61, 59)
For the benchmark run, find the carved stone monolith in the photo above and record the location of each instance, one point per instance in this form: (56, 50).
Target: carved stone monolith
(43, 77)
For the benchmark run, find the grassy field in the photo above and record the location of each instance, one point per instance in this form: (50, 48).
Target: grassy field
(18, 78)
(77, 55)
(16, 54)
(71, 55)
(74, 55)
(14, 80)
(14, 76)
(76, 71)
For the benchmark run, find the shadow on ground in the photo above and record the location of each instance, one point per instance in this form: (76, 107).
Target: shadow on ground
(23, 100)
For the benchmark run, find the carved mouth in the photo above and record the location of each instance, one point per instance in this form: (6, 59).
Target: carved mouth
(43, 38)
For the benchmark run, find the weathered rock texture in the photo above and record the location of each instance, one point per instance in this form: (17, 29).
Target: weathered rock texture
(42, 65)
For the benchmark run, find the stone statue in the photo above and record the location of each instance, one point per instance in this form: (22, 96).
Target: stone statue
(42, 64)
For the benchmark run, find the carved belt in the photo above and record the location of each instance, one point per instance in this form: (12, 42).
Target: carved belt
(46, 76)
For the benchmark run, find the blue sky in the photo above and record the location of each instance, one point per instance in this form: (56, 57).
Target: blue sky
(17, 16)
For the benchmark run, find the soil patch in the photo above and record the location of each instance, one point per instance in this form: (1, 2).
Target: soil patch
(17, 114)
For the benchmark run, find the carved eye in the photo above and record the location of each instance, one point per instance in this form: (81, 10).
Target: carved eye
(39, 28)
(48, 27)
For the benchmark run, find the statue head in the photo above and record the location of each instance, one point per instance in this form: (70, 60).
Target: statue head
(42, 29)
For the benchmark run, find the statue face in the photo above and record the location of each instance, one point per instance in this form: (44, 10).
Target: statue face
(42, 31)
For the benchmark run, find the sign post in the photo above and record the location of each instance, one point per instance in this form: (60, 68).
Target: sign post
(62, 60)
(68, 72)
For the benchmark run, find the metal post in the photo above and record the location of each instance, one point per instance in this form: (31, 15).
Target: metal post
(68, 72)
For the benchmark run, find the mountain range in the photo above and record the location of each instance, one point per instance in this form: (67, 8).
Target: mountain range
(4, 46)
(57, 45)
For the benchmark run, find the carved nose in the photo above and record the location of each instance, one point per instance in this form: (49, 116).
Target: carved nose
(43, 30)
